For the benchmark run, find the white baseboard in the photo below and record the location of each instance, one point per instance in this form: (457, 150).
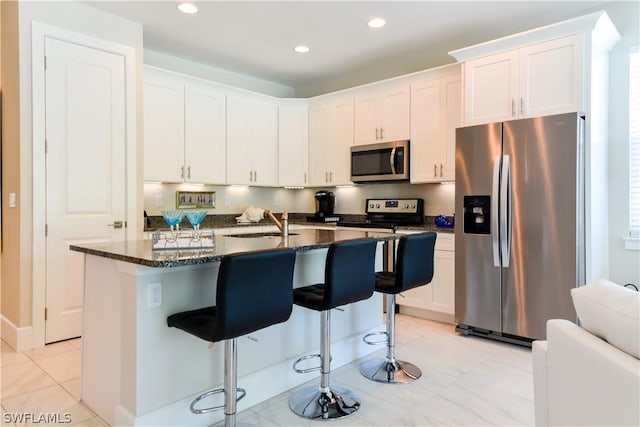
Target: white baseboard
(260, 386)
(20, 339)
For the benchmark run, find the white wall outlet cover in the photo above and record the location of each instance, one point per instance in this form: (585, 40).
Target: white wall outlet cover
(12, 200)
(227, 200)
(275, 201)
(159, 200)
(154, 294)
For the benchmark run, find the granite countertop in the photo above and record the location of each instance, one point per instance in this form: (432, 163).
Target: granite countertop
(141, 252)
(228, 221)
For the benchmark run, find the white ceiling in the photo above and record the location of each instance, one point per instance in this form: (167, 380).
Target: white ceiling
(256, 38)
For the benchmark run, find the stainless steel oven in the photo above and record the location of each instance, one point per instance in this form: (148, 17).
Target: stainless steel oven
(385, 161)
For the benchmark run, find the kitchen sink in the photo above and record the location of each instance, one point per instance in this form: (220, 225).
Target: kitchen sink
(266, 234)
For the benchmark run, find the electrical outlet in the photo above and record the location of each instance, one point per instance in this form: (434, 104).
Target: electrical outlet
(154, 294)
(159, 201)
(275, 201)
(227, 200)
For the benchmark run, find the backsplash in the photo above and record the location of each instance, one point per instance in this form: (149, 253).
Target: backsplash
(233, 200)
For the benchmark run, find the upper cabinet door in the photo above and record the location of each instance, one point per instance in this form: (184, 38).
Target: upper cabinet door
(451, 102)
(264, 143)
(205, 134)
(319, 143)
(491, 88)
(238, 160)
(426, 144)
(293, 141)
(382, 114)
(551, 77)
(341, 140)
(252, 140)
(163, 127)
(395, 121)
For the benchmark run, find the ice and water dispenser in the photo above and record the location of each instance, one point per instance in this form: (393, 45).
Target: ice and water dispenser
(477, 214)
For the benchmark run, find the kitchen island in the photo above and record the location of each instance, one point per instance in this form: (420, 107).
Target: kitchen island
(138, 371)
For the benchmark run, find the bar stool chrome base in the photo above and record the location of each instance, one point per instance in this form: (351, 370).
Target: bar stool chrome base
(317, 404)
(390, 371)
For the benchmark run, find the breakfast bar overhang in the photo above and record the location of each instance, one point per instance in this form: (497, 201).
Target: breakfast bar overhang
(137, 371)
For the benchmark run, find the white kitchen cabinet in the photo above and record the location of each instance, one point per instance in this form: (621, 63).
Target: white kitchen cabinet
(439, 295)
(184, 129)
(382, 114)
(293, 143)
(436, 111)
(538, 79)
(252, 140)
(330, 139)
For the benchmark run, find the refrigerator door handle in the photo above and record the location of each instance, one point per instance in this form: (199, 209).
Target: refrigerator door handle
(505, 211)
(495, 209)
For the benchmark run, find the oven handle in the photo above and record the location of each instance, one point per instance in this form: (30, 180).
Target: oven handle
(392, 160)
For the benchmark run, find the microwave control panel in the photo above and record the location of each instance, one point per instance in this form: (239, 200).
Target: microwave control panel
(384, 206)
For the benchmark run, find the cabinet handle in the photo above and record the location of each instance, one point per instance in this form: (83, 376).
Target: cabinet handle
(513, 108)
(376, 134)
(435, 170)
(182, 171)
(381, 133)
(305, 178)
(441, 170)
(255, 176)
(522, 106)
(326, 176)
(250, 176)
(188, 172)
(330, 176)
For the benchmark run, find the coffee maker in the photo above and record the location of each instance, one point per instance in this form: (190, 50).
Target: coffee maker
(325, 202)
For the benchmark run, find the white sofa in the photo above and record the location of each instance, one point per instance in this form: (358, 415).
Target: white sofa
(590, 374)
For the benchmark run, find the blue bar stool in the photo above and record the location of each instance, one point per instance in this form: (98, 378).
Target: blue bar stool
(414, 267)
(349, 277)
(254, 290)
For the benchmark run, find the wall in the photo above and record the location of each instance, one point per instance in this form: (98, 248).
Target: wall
(623, 264)
(15, 298)
(17, 284)
(219, 75)
(439, 198)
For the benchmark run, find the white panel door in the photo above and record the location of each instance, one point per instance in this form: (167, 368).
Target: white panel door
(264, 143)
(341, 141)
(238, 144)
(85, 162)
(293, 141)
(367, 120)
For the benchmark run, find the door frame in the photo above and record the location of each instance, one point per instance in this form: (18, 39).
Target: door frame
(39, 33)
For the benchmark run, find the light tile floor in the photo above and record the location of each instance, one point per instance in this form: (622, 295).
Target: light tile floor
(466, 381)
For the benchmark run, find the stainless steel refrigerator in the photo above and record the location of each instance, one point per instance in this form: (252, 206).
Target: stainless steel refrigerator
(519, 225)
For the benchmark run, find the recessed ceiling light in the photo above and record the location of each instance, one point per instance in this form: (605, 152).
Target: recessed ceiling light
(376, 23)
(301, 49)
(186, 7)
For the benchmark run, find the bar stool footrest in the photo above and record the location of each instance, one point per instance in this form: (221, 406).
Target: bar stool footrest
(390, 371)
(380, 342)
(206, 394)
(316, 404)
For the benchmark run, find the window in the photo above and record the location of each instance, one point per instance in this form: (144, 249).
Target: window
(634, 142)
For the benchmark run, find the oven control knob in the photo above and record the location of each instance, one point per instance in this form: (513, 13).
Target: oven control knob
(371, 205)
(413, 206)
(406, 205)
(377, 205)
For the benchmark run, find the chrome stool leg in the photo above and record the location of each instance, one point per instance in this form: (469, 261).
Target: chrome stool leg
(390, 370)
(324, 402)
(230, 389)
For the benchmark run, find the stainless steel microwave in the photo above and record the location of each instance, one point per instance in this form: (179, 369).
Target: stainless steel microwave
(384, 161)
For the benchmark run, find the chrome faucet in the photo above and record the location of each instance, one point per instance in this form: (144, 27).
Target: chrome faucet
(282, 226)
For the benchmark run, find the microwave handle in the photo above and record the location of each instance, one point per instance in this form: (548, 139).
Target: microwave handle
(392, 160)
